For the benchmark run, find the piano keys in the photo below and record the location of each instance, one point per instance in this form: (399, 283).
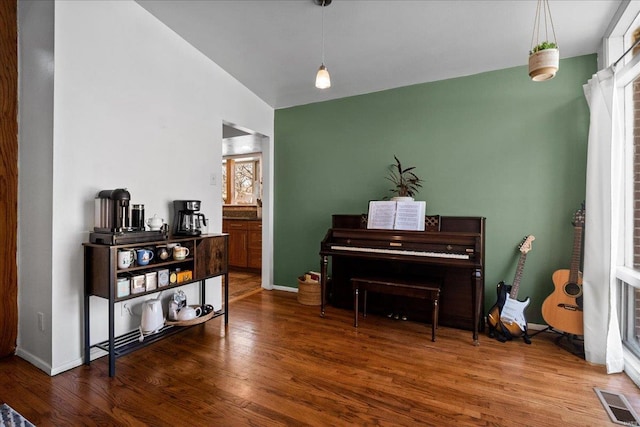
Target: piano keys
(450, 252)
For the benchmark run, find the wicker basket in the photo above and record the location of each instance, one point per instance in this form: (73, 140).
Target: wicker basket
(308, 292)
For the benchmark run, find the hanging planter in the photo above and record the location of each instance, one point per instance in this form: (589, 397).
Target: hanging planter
(544, 57)
(544, 62)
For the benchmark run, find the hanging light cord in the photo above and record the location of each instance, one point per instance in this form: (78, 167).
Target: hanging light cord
(323, 5)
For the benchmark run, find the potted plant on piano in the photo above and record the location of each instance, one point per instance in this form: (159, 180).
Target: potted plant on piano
(406, 183)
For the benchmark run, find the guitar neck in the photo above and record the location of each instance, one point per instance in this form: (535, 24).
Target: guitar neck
(516, 280)
(575, 257)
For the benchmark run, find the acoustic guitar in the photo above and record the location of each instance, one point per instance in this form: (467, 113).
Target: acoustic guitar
(506, 318)
(562, 309)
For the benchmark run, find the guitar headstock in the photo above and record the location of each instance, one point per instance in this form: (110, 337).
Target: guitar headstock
(525, 246)
(578, 217)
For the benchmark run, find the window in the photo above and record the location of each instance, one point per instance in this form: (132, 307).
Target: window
(628, 273)
(245, 187)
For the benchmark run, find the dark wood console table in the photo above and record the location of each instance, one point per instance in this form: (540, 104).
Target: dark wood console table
(208, 258)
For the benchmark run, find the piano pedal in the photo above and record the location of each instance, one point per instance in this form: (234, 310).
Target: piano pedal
(403, 317)
(390, 315)
(396, 316)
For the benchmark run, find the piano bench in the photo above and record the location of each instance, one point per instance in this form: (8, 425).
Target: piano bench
(423, 290)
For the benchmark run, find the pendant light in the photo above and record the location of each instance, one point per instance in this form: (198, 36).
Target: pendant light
(323, 80)
(544, 56)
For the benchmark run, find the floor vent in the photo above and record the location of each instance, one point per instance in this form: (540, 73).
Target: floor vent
(618, 408)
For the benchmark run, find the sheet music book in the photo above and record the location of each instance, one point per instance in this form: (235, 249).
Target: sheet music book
(391, 215)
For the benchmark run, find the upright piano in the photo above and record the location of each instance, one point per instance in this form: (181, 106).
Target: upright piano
(450, 252)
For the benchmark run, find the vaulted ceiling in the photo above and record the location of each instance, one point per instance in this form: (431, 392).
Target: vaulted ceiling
(274, 47)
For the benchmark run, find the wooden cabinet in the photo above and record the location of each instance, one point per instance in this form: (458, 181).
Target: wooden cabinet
(245, 242)
(208, 257)
(238, 241)
(255, 245)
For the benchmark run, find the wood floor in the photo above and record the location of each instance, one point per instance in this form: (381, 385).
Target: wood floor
(243, 283)
(279, 363)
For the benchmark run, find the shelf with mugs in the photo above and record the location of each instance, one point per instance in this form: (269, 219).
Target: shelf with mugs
(105, 276)
(153, 265)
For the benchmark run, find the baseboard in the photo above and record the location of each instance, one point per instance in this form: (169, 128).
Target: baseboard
(48, 369)
(284, 288)
(69, 365)
(35, 361)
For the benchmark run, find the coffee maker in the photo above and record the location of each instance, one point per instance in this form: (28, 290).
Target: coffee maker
(187, 221)
(112, 211)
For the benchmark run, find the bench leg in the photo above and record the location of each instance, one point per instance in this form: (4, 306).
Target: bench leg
(434, 321)
(364, 304)
(355, 307)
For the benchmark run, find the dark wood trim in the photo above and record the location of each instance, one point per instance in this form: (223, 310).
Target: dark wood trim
(8, 176)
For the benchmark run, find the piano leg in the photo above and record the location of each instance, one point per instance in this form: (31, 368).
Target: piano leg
(323, 282)
(477, 303)
(364, 304)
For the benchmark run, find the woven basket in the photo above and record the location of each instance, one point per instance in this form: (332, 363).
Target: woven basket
(308, 292)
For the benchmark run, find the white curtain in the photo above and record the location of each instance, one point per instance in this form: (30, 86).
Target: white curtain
(603, 222)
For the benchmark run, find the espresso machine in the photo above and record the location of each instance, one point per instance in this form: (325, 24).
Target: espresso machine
(187, 220)
(112, 221)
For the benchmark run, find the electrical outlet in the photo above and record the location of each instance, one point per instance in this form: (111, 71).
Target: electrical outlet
(41, 321)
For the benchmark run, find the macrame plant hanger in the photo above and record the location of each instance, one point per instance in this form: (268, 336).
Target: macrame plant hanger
(544, 56)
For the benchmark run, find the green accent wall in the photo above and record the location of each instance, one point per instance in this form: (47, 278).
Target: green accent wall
(494, 144)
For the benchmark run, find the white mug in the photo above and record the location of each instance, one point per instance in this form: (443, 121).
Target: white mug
(180, 252)
(125, 259)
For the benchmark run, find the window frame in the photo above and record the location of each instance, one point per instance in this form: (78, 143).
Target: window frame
(228, 164)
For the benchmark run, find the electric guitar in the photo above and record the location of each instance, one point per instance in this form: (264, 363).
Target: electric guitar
(507, 317)
(563, 308)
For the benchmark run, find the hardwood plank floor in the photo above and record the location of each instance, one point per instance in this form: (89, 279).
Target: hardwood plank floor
(279, 363)
(243, 283)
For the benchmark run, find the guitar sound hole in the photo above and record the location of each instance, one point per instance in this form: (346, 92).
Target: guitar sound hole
(573, 289)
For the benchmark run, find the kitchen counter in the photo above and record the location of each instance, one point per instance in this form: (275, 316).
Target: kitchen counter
(241, 218)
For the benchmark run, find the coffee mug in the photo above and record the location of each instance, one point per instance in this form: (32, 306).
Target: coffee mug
(125, 258)
(180, 252)
(188, 313)
(144, 256)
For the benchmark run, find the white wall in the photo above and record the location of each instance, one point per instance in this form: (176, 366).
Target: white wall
(135, 106)
(35, 173)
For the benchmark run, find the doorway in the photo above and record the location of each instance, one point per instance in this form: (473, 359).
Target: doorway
(242, 207)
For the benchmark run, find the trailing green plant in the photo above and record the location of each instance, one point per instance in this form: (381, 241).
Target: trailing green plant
(405, 182)
(543, 46)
